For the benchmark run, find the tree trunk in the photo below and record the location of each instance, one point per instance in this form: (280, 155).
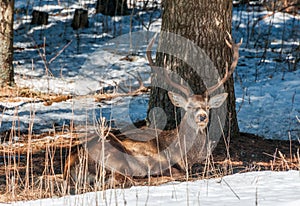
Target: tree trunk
(204, 23)
(39, 17)
(80, 19)
(6, 42)
(112, 7)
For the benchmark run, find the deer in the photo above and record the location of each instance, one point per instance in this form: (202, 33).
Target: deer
(141, 155)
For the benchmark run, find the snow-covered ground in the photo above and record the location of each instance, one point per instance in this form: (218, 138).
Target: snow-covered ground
(268, 86)
(266, 82)
(248, 189)
(86, 61)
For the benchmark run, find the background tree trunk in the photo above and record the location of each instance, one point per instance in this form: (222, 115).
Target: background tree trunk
(6, 42)
(39, 17)
(112, 7)
(80, 19)
(205, 23)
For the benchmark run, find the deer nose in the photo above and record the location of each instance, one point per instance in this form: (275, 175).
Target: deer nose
(202, 117)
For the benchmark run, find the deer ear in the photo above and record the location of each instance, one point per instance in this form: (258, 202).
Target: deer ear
(217, 100)
(177, 99)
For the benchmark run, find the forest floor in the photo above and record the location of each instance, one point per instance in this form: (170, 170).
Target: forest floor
(267, 88)
(46, 161)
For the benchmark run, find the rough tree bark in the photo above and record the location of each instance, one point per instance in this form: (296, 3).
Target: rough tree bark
(6, 42)
(205, 23)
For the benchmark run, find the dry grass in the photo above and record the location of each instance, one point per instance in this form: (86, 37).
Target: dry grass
(32, 166)
(36, 172)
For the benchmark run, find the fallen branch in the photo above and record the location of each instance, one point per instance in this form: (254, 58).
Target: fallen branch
(50, 101)
(141, 90)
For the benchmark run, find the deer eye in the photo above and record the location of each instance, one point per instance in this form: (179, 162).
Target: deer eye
(207, 107)
(191, 107)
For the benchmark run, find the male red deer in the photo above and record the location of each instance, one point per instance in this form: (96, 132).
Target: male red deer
(141, 155)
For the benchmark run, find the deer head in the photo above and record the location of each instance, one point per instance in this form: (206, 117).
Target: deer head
(197, 106)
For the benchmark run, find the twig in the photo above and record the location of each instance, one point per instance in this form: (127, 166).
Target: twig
(273, 13)
(230, 188)
(43, 56)
(59, 52)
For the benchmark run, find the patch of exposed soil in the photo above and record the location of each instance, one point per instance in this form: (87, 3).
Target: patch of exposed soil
(256, 153)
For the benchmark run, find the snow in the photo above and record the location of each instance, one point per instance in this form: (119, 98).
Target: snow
(269, 91)
(266, 85)
(253, 188)
(87, 61)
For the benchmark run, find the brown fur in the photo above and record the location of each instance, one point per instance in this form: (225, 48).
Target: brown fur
(125, 157)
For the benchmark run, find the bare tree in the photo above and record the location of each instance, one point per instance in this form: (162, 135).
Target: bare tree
(6, 42)
(205, 23)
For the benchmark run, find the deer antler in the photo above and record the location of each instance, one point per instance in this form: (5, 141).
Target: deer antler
(235, 49)
(185, 90)
(228, 72)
